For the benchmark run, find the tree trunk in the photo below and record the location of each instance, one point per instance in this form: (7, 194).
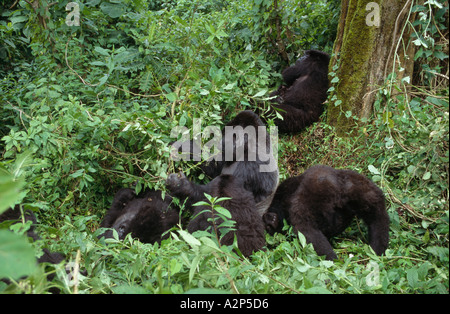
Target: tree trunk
(368, 40)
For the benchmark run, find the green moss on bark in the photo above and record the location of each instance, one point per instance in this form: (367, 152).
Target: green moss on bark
(356, 49)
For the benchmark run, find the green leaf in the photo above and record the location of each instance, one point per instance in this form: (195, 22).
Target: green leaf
(99, 63)
(189, 238)
(194, 266)
(22, 161)
(16, 256)
(171, 97)
(175, 266)
(302, 239)
(103, 52)
(373, 170)
(19, 19)
(260, 93)
(103, 80)
(113, 10)
(223, 211)
(208, 245)
(413, 277)
(9, 190)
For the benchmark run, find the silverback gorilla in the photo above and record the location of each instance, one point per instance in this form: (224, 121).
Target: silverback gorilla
(146, 216)
(249, 226)
(246, 171)
(246, 152)
(322, 202)
(301, 99)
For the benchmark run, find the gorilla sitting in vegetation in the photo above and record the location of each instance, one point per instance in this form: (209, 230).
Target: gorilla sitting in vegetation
(249, 228)
(246, 152)
(146, 216)
(300, 100)
(322, 202)
(246, 172)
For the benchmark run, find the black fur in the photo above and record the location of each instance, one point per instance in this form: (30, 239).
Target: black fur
(242, 206)
(262, 184)
(322, 202)
(301, 98)
(146, 216)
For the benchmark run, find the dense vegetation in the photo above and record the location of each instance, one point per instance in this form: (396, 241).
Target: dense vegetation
(88, 109)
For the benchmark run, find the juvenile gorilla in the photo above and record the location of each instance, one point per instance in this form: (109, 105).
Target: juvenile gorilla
(146, 216)
(249, 226)
(322, 202)
(301, 98)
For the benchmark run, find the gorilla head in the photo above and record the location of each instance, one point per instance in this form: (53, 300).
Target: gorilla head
(146, 216)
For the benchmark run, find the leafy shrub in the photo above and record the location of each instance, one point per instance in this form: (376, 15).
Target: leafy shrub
(95, 105)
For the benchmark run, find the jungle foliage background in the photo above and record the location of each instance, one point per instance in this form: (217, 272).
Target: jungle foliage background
(86, 110)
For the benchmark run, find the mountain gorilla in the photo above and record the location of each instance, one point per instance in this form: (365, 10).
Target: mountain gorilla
(146, 216)
(322, 202)
(242, 207)
(246, 171)
(301, 99)
(245, 152)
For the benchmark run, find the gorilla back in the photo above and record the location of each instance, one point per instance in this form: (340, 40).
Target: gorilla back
(322, 202)
(301, 99)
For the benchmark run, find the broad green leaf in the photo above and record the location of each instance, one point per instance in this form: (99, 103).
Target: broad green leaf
(22, 161)
(171, 97)
(16, 255)
(189, 238)
(302, 239)
(99, 63)
(260, 93)
(9, 190)
(175, 266)
(413, 277)
(373, 170)
(223, 211)
(209, 243)
(103, 80)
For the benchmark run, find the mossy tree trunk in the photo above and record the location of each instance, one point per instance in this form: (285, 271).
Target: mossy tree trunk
(366, 46)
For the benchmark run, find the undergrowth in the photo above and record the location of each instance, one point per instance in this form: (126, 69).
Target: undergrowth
(87, 110)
